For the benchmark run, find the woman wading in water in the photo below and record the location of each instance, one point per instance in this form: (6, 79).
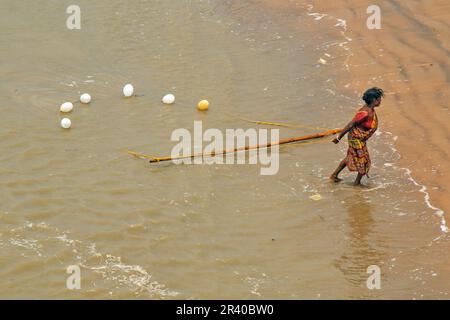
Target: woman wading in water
(359, 130)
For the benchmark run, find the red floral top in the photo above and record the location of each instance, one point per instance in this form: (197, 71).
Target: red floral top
(363, 120)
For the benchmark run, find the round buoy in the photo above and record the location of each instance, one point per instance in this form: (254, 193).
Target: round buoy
(168, 99)
(66, 107)
(203, 105)
(128, 90)
(66, 123)
(85, 98)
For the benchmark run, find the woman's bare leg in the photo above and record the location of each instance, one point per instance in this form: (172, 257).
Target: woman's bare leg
(358, 179)
(338, 170)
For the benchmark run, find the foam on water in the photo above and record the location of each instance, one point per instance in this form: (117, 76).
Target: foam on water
(110, 267)
(422, 188)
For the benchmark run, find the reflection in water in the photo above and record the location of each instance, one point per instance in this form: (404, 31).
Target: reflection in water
(360, 251)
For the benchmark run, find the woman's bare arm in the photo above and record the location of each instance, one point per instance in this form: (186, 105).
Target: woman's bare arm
(346, 129)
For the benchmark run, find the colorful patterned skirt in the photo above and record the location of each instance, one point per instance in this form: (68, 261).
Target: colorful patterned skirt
(358, 158)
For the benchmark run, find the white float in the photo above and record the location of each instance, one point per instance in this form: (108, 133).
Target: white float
(66, 123)
(168, 99)
(85, 98)
(128, 90)
(66, 107)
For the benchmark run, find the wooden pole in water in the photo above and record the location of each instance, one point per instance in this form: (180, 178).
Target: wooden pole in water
(280, 142)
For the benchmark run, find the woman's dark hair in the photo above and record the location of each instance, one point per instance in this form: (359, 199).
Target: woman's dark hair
(372, 94)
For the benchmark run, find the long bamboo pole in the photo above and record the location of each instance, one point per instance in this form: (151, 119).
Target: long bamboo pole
(280, 142)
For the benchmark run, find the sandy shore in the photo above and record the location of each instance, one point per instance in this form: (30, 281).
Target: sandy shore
(409, 58)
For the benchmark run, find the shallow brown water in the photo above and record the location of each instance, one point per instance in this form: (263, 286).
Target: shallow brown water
(75, 197)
